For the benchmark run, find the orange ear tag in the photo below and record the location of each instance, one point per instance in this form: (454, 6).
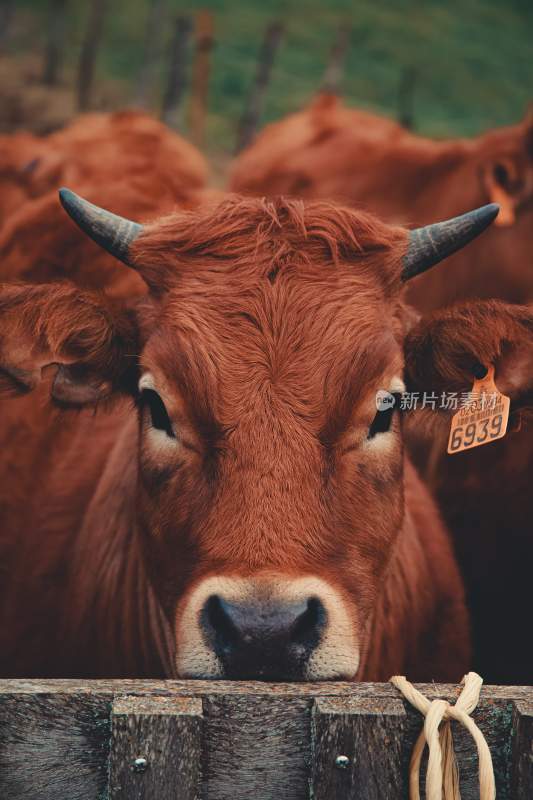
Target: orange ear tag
(483, 417)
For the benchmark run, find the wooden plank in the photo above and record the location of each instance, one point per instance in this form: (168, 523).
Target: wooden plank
(10, 687)
(494, 718)
(54, 738)
(378, 743)
(256, 748)
(359, 748)
(522, 773)
(54, 746)
(156, 748)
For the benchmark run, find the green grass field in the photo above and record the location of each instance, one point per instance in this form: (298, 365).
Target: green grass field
(473, 58)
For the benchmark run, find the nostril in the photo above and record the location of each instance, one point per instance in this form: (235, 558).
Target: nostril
(309, 625)
(265, 639)
(217, 619)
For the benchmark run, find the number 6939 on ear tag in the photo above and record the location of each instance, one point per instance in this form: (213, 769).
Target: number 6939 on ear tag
(482, 419)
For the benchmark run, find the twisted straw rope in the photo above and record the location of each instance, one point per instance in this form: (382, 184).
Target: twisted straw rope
(442, 774)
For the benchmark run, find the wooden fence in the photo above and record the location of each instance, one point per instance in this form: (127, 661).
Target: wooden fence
(156, 740)
(176, 67)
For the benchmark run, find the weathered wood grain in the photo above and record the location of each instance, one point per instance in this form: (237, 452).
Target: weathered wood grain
(378, 739)
(156, 748)
(53, 746)
(259, 688)
(522, 773)
(257, 748)
(359, 748)
(259, 739)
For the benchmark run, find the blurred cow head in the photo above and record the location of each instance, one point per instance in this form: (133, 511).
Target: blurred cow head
(506, 158)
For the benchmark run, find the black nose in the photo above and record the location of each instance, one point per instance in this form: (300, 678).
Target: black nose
(263, 640)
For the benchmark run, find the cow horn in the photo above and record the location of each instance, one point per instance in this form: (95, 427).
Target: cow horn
(429, 245)
(115, 234)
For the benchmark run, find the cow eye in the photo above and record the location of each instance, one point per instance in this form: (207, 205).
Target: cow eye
(158, 413)
(383, 419)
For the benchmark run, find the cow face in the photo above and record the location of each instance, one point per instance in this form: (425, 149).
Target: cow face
(506, 158)
(270, 488)
(270, 484)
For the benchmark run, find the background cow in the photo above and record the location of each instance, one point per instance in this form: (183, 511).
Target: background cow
(329, 151)
(126, 160)
(18, 156)
(251, 514)
(97, 148)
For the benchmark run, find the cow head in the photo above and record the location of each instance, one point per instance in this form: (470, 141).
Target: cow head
(506, 170)
(270, 490)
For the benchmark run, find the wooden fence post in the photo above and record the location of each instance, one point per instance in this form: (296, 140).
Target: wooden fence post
(54, 745)
(254, 105)
(522, 775)
(358, 748)
(6, 18)
(147, 75)
(257, 747)
(55, 41)
(200, 77)
(89, 51)
(406, 92)
(334, 71)
(177, 72)
(156, 748)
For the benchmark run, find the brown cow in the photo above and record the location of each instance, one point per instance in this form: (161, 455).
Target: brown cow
(19, 154)
(485, 493)
(96, 148)
(153, 170)
(331, 152)
(40, 244)
(250, 514)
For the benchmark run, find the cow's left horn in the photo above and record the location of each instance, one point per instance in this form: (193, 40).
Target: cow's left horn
(429, 245)
(115, 234)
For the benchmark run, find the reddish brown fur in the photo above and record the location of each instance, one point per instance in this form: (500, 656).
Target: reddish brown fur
(18, 156)
(126, 161)
(329, 151)
(97, 148)
(485, 493)
(277, 324)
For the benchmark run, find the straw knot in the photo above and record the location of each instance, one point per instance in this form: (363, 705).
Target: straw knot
(442, 776)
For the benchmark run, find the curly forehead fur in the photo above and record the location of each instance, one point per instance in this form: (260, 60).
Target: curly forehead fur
(259, 237)
(272, 292)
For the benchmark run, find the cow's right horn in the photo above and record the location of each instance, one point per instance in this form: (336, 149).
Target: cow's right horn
(115, 234)
(429, 245)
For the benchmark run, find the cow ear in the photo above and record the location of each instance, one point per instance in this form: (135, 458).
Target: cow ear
(500, 178)
(446, 351)
(90, 340)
